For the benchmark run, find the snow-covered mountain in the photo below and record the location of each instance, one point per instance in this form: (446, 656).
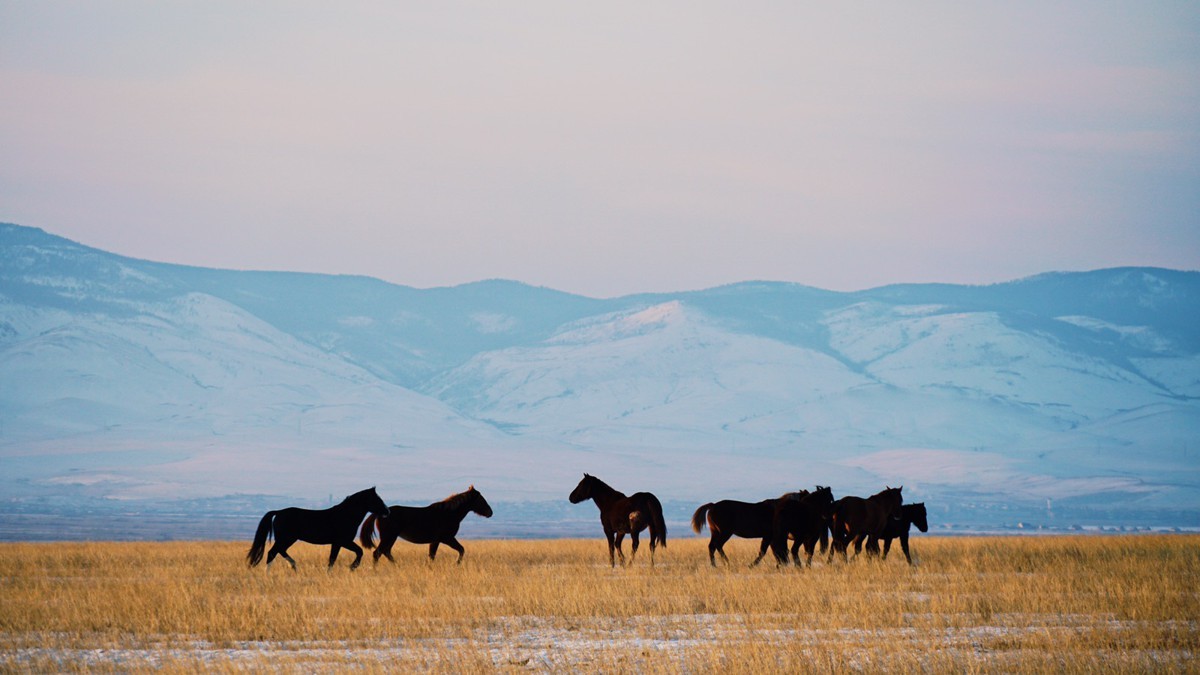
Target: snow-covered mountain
(1065, 393)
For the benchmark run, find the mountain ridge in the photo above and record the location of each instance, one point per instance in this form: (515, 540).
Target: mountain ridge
(1085, 380)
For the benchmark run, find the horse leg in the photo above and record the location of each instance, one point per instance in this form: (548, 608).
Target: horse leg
(333, 551)
(433, 547)
(633, 538)
(904, 547)
(358, 554)
(717, 543)
(762, 551)
(810, 546)
(796, 552)
(453, 543)
(385, 548)
(887, 546)
(612, 562)
(617, 539)
(280, 548)
(858, 544)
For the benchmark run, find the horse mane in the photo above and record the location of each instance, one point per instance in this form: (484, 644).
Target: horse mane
(597, 480)
(360, 493)
(606, 486)
(454, 501)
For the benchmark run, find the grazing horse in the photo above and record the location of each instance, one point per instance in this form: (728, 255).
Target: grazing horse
(434, 524)
(335, 526)
(855, 519)
(729, 518)
(805, 519)
(911, 514)
(621, 515)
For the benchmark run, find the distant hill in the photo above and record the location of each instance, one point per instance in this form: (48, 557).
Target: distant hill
(1063, 398)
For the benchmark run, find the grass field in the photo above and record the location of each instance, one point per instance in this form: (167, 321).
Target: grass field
(1058, 604)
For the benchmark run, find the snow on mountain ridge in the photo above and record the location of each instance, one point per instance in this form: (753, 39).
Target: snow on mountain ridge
(128, 378)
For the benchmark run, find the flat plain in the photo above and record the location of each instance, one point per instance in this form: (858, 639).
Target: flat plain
(970, 604)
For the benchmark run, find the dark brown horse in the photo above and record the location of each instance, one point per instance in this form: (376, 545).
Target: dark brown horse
(804, 519)
(434, 524)
(911, 514)
(621, 515)
(334, 526)
(855, 519)
(730, 518)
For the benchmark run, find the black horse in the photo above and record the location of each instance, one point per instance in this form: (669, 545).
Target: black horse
(335, 525)
(434, 524)
(911, 514)
(804, 518)
(731, 518)
(621, 515)
(855, 519)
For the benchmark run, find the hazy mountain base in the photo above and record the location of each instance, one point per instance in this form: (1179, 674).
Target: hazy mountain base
(234, 518)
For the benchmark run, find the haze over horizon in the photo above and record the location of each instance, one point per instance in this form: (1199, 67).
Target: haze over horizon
(610, 150)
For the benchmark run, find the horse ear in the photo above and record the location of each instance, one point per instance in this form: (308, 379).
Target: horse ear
(471, 488)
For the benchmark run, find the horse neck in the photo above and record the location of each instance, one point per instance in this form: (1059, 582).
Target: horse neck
(458, 505)
(352, 506)
(604, 494)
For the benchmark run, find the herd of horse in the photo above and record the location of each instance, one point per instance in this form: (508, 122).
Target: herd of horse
(803, 519)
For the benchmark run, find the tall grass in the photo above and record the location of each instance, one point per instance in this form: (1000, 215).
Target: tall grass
(1060, 604)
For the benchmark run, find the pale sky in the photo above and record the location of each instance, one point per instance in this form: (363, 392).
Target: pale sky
(610, 148)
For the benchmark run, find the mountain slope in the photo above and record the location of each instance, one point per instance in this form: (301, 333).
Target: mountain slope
(125, 378)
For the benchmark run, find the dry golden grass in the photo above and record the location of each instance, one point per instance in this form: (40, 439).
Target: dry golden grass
(1058, 604)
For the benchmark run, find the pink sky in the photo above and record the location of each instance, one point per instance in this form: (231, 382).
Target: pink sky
(610, 149)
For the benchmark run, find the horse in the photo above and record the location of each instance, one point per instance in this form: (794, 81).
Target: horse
(911, 514)
(729, 518)
(434, 524)
(335, 526)
(621, 515)
(855, 519)
(805, 519)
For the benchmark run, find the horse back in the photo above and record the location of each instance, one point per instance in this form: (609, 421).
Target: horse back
(418, 524)
(315, 526)
(639, 502)
(743, 519)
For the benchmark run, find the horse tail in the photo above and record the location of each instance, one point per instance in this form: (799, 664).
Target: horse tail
(700, 517)
(255, 555)
(658, 525)
(366, 535)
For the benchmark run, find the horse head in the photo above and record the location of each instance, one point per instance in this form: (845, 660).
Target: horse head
(375, 503)
(822, 496)
(583, 491)
(892, 502)
(478, 503)
(917, 515)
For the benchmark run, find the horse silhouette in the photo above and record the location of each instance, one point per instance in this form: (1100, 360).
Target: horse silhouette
(335, 526)
(911, 514)
(855, 519)
(621, 515)
(434, 524)
(805, 519)
(730, 518)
